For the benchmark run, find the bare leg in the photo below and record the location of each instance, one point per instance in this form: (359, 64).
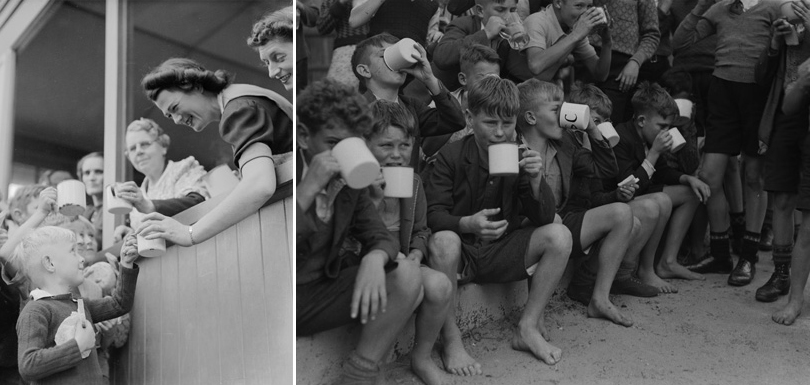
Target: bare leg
(684, 203)
(445, 256)
(713, 172)
(614, 223)
(429, 320)
(732, 182)
(646, 270)
(404, 286)
(549, 247)
(697, 232)
(784, 204)
(800, 268)
(756, 200)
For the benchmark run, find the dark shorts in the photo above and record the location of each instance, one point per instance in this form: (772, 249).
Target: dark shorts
(803, 203)
(497, 262)
(783, 161)
(326, 303)
(701, 81)
(735, 110)
(573, 221)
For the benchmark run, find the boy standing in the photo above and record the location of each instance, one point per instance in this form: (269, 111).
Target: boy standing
(331, 290)
(486, 212)
(51, 263)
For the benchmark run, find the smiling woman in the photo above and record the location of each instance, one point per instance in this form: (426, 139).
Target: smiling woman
(256, 122)
(273, 37)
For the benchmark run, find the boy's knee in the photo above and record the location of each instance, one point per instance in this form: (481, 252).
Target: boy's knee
(445, 247)
(650, 209)
(556, 237)
(406, 278)
(713, 178)
(437, 286)
(621, 214)
(636, 227)
(783, 202)
(753, 179)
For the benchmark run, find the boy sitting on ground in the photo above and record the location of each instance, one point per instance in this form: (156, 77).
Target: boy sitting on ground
(51, 263)
(643, 142)
(563, 160)
(332, 290)
(390, 140)
(486, 212)
(378, 81)
(652, 211)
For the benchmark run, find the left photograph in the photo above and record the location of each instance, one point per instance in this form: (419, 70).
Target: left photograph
(146, 182)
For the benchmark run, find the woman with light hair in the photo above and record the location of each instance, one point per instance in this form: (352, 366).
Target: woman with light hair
(168, 187)
(272, 37)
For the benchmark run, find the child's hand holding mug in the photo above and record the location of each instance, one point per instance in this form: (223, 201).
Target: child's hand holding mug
(47, 201)
(129, 251)
(85, 335)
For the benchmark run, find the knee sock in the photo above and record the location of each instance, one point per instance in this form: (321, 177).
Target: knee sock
(738, 224)
(781, 254)
(750, 246)
(718, 245)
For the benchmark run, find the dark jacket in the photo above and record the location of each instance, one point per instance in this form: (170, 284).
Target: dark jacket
(452, 187)
(467, 30)
(413, 229)
(353, 210)
(579, 162)
(630, 155)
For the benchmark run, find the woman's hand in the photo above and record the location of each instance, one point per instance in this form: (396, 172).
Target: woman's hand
(131, 193)
(121, 232)
(156, 225)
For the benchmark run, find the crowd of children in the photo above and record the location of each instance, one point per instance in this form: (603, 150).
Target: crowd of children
(364, 256)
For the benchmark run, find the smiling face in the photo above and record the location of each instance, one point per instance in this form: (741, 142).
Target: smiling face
(652, 124)
(67, 264)
(489, 130)
(392, 147)
(194, 108)
(277, 55)
(93, 175)
(145, 153)
(568, 11)
(494, 9)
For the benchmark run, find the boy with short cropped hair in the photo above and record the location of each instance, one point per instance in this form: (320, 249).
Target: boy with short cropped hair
(377, 81)
(611, 224)
(50, 262)
(379, 290)
(643, 142)
(486, 213)
(390, 140)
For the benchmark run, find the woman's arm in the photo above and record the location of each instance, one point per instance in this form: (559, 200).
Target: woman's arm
(363, 11)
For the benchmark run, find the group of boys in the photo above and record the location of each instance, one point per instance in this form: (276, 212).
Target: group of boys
(361, 255)
(46, 336)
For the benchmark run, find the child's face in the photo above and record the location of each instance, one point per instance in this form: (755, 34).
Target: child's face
(68, 265)
(380, 73)
(571, 10)
(323, 140)
(548, 119)
(489, 130)
(652, 124)
(494, 9)
(598, 118)
(480, 70)
(86, 244)
(392, 147)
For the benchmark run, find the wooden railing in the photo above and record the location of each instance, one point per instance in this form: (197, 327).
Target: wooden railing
(220, 312)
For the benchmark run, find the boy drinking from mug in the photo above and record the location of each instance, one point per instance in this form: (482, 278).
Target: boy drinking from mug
(645, 141)
(486, 211)
(377, 289)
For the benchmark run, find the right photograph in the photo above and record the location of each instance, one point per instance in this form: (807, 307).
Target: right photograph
(514, 191)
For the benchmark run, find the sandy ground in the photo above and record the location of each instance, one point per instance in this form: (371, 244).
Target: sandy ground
(709, 333)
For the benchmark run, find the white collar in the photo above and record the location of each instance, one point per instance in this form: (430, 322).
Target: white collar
(38, 294)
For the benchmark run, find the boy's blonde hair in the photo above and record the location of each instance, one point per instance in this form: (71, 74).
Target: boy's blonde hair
(28, 253)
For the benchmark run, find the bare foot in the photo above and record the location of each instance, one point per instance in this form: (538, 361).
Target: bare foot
(603, 308)
(788, 314)
(675, 270)
(654, 280)
(541, 326)
(457, 361)
(427, 371)
(529, 339)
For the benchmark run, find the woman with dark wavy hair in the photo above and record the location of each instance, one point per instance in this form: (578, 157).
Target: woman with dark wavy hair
(256, 122)
(272, 37)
